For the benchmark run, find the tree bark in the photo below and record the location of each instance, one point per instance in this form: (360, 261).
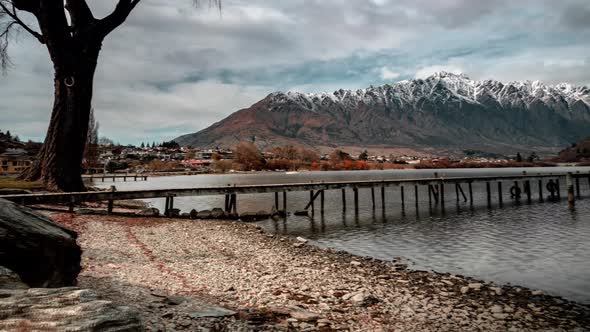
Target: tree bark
(59, 164)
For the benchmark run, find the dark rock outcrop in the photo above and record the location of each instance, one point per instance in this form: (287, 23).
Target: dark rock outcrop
(41, 252)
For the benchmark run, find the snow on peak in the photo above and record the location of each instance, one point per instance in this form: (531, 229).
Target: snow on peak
(439, 87)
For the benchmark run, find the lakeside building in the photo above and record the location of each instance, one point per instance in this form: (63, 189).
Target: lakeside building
(14, 161)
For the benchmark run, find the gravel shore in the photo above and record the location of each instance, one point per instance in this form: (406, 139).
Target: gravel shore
(182, 273)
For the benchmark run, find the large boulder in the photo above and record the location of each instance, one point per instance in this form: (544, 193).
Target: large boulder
(42, 252)
(63, 309)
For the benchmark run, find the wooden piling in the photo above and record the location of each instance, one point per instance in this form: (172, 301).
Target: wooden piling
(571, 200)
(403, 198)
(110, 206)
(227, 202)
(373, 196)
(471, 193)
(527, 188)
(285, 201)
(489, 193)
(541, 190)
(442, 194)
(343, 199)
(416, 196)
(558, 189)
(235, 204)
(311, 199)
(578, 191)
(457, 192)
(356, 200)
(322, 202)
(500, 194)
(430, 195)
(383, 197)
(276, 200)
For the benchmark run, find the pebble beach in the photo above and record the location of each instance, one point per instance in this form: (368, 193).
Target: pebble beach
(230, 276)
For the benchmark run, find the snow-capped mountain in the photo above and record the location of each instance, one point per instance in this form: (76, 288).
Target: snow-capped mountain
(444, 110)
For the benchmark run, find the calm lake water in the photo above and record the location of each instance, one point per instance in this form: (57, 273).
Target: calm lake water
(540, 245)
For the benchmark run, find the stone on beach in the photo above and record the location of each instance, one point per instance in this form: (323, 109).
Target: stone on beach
(41, 252)
(205, 214)
(149, 212)
(295, 312)
(217, 213)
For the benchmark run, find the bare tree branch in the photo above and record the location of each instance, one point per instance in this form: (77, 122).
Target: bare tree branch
(13, 15)
(80, 13)
(118, 16)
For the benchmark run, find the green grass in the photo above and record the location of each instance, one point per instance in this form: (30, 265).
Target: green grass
(11, 182)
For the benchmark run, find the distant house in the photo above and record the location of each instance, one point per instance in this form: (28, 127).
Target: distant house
(196, 163)
(14, 161)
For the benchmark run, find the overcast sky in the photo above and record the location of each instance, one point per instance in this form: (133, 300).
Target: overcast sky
(173, 69)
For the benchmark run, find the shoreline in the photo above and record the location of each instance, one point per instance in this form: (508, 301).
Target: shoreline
(408, 168)
(260, 276)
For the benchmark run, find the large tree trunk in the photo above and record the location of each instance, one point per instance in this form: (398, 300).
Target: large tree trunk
(59, 164)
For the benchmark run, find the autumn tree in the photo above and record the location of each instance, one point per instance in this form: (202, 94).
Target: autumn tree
(73, 38)
(248, 155)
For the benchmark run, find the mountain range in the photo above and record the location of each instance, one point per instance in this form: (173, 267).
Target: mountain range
(445, 111)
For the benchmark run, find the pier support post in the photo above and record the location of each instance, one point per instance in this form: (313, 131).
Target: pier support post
(276, 200)
(540, 190)
(285, 202)
(416, 197)
(471, 193)
(382, 197)
(558, 187)
(322, 202)
(500, 194)
(373, 196)
(343, 199)
(311, 201)
(457, 192)
(442, 195)
(430, 195)
(571, 200)
(403, 198)
(234, 204)
(527, 189)
(578, 192)
(356, 200)
(227, 203)
(489, 194)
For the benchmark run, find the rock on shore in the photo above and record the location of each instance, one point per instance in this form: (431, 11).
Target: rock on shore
(40, 251)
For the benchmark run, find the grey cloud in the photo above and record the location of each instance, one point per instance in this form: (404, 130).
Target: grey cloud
(171, 63)
(577, 16)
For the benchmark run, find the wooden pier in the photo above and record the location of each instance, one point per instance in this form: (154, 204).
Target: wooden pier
(114, 177)
(521, 189)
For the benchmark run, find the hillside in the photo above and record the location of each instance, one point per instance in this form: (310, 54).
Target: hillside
(576, 152)
(444, 112)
